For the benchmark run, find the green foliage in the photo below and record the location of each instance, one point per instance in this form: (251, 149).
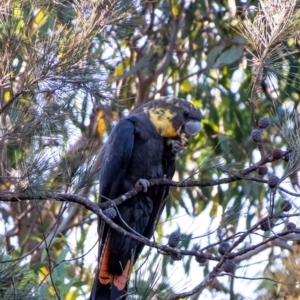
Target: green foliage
(16, 282)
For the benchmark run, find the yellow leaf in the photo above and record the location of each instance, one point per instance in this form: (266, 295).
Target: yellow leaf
(39, 20)
(7, 96)
(71, 296)
(20, 25)
(101, 126)
(175, 8)
(39, 17)
(42, 273)
(119, 70)
(291, 42)
(199, 24)
(17, 12)
(197, 103)
(186, 86)
(214, 73)
(51, 290)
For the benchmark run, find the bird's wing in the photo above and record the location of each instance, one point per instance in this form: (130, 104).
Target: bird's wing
(115, 159)
(160, 195)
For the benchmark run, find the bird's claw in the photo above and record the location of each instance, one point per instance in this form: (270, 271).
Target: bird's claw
(176, 146)
(183, 140)
(145, 184)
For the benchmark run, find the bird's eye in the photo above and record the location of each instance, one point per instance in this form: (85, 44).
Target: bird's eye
(186, 113)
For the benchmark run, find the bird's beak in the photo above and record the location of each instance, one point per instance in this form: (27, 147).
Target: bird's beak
(191, 128)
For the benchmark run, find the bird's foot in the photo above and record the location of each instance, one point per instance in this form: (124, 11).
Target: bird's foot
(145, 183)
(176, 256)
(183, 140)
(177, 146)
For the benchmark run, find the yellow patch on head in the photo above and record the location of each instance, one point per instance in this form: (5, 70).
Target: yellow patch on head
(162, 121)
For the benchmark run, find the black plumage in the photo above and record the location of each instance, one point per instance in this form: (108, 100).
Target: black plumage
(139, 147)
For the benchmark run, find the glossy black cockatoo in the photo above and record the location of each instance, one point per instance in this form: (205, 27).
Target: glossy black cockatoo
(141, 146)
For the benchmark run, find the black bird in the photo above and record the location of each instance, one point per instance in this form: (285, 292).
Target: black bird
(141, 146)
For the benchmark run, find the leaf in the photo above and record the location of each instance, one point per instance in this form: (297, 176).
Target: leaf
(43, 291)
(7, 96)
(175, 8)
(101, 125)
(43, 271)
(213, 55)
(72, 295)
(62, 254)
(119, 70)
(229, 56)
(186, 86)
(44, 254)
(40, 18)
(60, 271)
(139, 65)
(78, 284)
(214, 209)
(199, 207)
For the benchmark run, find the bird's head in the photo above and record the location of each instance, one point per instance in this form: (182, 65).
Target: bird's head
(173, 118)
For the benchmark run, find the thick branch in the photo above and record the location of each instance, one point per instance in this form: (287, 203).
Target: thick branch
(15, 197)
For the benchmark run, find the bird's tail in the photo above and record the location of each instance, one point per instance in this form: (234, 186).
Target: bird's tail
(109, 286)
